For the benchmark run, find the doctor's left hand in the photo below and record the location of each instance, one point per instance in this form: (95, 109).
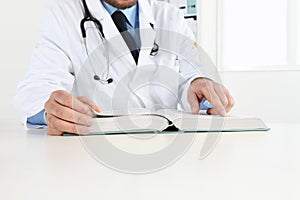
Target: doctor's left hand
(215, 93)
(67, 113)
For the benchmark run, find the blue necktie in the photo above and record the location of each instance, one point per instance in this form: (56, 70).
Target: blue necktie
(121, 21)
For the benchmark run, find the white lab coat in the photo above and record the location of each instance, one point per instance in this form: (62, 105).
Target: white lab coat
(59, 60)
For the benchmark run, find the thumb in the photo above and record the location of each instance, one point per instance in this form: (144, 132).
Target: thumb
(90, 103)
(194, 102)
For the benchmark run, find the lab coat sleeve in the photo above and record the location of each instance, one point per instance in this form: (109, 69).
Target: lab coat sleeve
(194, 63)
(50, 68)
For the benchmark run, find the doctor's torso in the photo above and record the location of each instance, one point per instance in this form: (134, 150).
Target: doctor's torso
(60, 60)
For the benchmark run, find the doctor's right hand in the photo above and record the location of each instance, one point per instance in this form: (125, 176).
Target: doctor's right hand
(67, 113)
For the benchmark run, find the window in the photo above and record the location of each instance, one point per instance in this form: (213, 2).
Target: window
(252, 34)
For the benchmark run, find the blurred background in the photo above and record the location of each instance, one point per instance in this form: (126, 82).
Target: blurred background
(254, 43)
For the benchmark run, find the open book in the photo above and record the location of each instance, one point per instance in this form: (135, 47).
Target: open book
(172, 120)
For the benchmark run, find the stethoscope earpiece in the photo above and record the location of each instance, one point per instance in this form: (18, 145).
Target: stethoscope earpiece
(96, 78)
(108, 81)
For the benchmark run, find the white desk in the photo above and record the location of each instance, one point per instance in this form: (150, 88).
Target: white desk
(261, 165)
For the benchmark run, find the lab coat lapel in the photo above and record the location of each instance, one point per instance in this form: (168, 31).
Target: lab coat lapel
(147, 34)
(146, 62)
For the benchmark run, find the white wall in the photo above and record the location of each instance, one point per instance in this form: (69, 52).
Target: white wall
(19, 28)
(274, 96)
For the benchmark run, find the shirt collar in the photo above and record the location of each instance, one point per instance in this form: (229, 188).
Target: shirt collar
(130, 13)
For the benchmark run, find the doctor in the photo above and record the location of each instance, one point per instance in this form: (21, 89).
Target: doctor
(46, 96)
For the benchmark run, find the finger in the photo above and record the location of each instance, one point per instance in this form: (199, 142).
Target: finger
(68, 100)
(212, 111)
(208, 111)
(89, 102)
(64, 126)
(53, 132)
(214, 99)
(220, 91)
(68, 114)
(193, 101)
(230, 101)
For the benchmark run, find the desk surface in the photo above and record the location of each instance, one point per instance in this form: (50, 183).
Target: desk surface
(253, 165)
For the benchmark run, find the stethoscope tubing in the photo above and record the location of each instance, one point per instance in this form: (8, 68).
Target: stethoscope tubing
(89, 18)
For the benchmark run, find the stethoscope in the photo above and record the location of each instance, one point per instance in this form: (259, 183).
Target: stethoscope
(88, 17)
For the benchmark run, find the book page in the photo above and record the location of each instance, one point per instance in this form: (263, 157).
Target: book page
(173, 114)
(203, 122)
(131, 111)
